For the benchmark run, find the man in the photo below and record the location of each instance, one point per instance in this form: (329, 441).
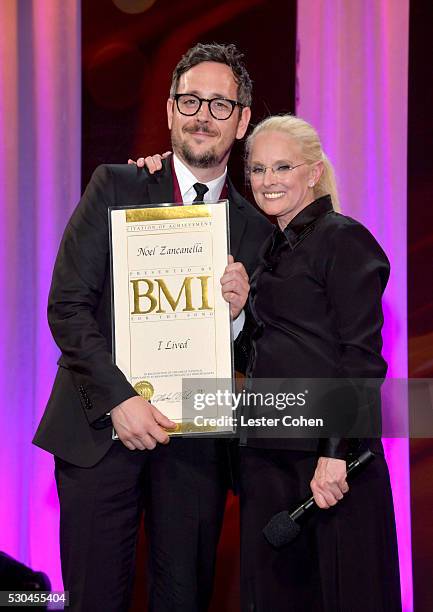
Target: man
(102, 484)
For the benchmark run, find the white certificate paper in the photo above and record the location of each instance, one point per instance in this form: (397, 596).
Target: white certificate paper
(171, 324)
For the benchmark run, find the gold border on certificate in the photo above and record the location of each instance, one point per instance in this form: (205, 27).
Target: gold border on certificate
(165, 213)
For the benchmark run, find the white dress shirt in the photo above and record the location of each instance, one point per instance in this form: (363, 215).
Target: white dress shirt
(186, 181)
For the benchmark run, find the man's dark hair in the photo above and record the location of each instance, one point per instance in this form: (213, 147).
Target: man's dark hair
(223, 54)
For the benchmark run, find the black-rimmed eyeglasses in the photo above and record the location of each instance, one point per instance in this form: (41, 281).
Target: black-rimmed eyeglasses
(219, 108)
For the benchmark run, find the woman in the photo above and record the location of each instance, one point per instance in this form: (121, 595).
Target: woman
(316, 306)
(315, 312)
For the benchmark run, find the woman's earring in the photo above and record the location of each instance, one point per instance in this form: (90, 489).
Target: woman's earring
(310, 184)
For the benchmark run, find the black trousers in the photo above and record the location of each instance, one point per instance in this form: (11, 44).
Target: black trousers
(345, 558)
(188, 482)
(183, 490)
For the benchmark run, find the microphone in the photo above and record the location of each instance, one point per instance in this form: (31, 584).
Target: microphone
(283, 528)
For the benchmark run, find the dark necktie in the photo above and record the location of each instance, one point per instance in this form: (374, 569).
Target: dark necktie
(200, 190)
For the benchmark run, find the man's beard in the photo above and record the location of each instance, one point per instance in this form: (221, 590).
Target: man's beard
(207, 159)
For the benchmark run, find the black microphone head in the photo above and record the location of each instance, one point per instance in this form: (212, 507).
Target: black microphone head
(281, 529)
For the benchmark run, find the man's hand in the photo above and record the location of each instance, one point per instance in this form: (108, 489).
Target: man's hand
(235, 286)
(153, 162)
(329, 482)
(138, 424)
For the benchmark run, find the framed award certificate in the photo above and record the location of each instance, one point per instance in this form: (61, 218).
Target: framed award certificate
(171, 325)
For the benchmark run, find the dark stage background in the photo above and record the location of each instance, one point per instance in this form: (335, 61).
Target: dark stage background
(127, 64)
(420, 286)
(128, 61)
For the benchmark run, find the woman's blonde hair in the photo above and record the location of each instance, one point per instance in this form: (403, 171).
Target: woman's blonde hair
(307, 137)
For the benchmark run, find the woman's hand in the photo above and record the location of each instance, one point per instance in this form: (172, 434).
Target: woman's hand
(235, 286)
(329, 482)
(153, 162)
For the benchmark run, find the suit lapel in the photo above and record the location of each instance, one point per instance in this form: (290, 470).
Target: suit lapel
(161, 187)
(238, 221)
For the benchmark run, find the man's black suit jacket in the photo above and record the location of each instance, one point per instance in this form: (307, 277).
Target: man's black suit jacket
(88, 384)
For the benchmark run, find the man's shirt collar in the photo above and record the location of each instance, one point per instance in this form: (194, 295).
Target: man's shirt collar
(186, 180)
